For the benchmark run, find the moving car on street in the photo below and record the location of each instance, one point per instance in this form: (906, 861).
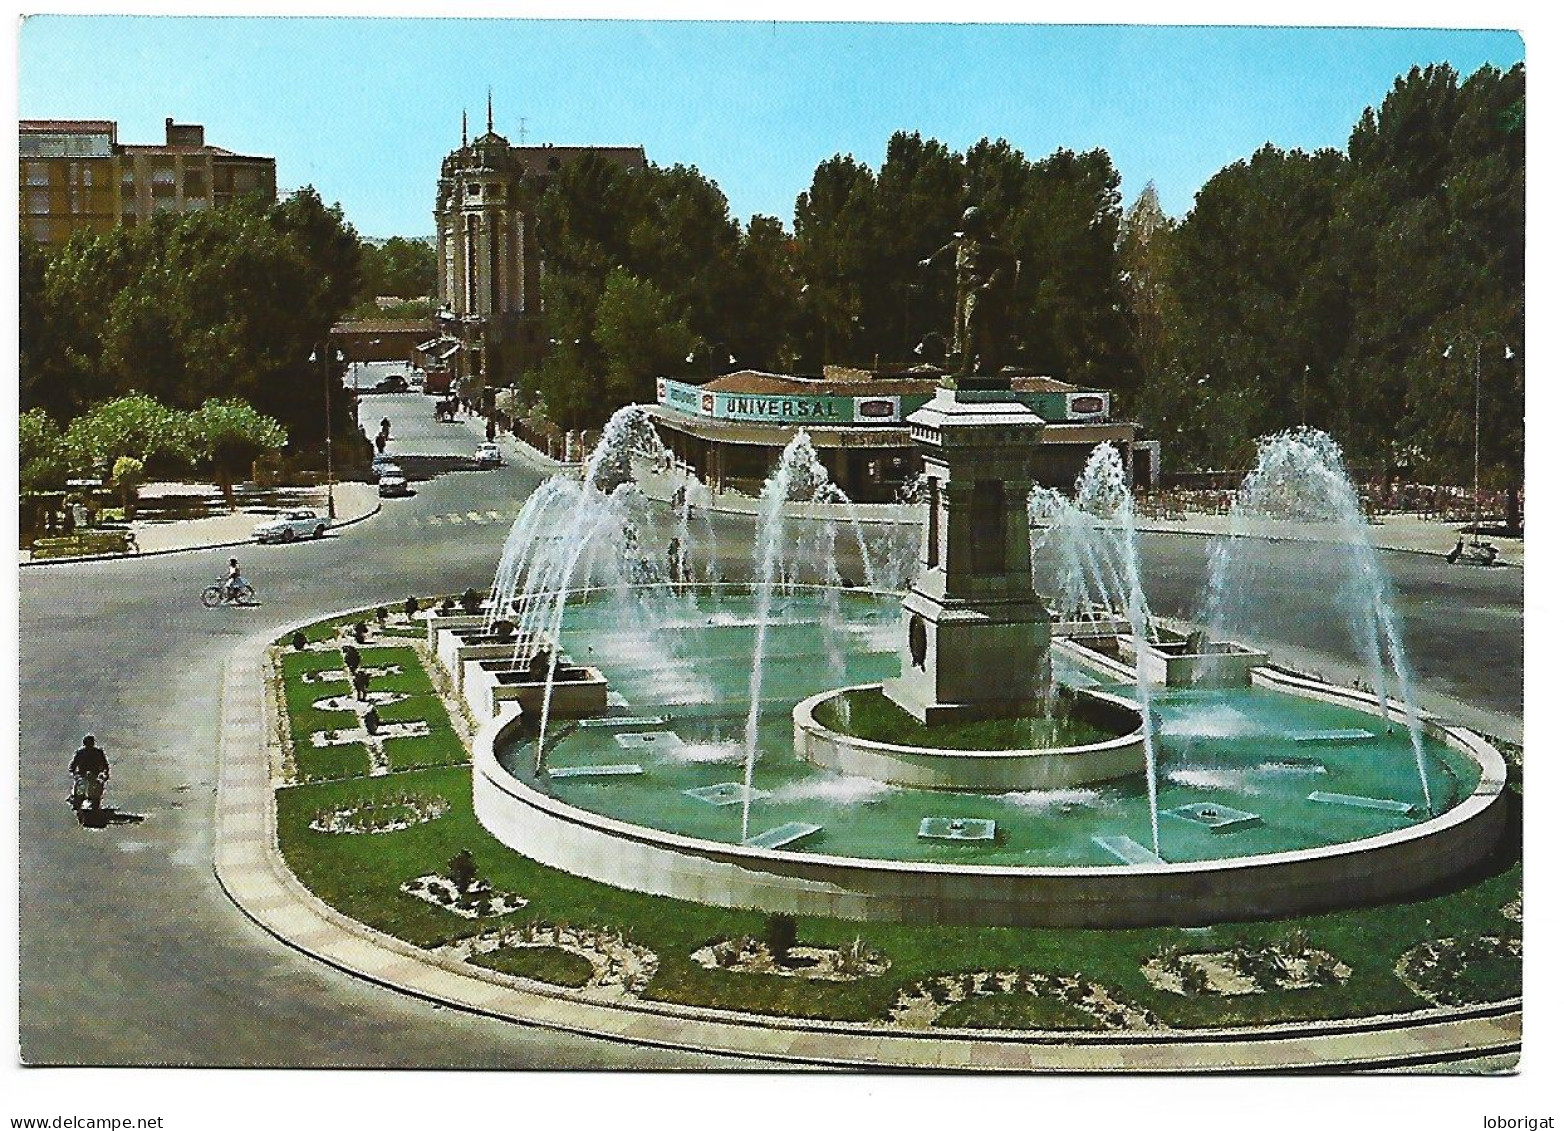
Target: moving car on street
(489, 455)
(291, 525)
(392, 481)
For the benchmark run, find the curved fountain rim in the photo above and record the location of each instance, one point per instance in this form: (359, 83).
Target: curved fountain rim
(737, 586)
(1468, 743)
(804, 711)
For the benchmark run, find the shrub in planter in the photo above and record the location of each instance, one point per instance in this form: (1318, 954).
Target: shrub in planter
(360, 631)
(781, 935)
(504, 631)
(471, 602)
(299, 642)
(381, 614)
(1193, 979)
(351, 657)
(463, 871)
(361, 683)
(446, 605)
(372, 721)
(411, 606)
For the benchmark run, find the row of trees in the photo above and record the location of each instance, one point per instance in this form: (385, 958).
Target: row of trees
(648, 273)
(184, 307)
(397, 268)
(1320, 287)
(119, 441)
(1357, 291)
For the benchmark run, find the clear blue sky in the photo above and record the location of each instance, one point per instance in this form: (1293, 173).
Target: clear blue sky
(364, 109)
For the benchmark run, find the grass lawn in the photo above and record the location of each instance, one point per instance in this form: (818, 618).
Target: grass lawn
(304, 717)
(350, 760)
(360, 876)
(543, 963)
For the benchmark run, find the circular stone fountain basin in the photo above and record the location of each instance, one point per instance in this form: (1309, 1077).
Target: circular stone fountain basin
(678, 668)
(974, 770)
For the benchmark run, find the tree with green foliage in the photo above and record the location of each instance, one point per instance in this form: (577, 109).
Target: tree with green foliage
(40, 452)
(138, 426)
(1247, 320)
(395, 268)
(127, 477)
(640, 334)
(1433, 258)
(226, 435)
(189, 305)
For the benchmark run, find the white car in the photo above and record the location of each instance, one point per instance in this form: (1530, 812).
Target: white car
(291, 525)
(489, 455)
(392, 481)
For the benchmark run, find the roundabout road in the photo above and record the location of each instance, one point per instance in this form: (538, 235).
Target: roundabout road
(177, 974)
(123, 649)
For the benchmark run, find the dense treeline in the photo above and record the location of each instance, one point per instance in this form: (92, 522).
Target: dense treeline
(188, 307)
(648, 273)
(397, 268)
(1355, 291)
(1321, 288)
(1359, 290)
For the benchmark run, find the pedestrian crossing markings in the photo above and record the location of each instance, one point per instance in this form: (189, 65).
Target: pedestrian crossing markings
(455, 518)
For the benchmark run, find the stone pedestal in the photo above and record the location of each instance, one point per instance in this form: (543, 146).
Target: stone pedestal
(975, 634)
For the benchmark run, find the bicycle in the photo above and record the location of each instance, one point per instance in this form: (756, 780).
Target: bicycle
(222, 594)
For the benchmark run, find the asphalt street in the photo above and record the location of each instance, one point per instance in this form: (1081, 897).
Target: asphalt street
(130, 952)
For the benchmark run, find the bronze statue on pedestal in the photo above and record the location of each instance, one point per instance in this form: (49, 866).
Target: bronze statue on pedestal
(986, 277)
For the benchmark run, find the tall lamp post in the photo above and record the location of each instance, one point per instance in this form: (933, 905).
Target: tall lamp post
(1477, 414)
(331, 498)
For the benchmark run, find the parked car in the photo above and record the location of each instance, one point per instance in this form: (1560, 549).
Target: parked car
(291, 525)
(489, 455)
(392, 482)
(379, 464)
(395, 383)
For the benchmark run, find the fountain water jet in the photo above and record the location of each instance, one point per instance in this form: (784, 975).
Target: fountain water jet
(1300, 478)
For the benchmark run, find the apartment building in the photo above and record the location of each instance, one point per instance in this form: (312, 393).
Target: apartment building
(76, 175)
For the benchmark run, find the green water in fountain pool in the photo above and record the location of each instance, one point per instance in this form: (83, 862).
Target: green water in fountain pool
(866, 713)
(686, 659)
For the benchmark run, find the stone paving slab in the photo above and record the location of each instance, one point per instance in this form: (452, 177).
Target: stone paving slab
(252, 872)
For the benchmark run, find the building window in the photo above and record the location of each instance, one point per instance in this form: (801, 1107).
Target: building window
(37, 172)
(38, 201)
(195, 183)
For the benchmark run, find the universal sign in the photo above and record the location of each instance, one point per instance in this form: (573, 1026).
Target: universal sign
(777, 408)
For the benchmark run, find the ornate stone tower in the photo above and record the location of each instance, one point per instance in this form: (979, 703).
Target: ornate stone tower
(976, 635)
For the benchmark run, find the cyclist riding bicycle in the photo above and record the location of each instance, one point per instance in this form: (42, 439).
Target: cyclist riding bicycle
(234, 582)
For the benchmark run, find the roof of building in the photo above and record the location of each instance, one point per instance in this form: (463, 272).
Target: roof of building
(67, 125)
(850, 383)
(213, 150)
(535, 158)
(385, 326)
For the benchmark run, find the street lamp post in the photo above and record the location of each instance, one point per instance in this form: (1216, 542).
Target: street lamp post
(711, 357)
(331, 479)
(1477, 413)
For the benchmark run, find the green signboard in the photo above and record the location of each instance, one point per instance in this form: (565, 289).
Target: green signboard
(825, 409)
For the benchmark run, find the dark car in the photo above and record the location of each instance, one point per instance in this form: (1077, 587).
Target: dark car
(395, 383)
